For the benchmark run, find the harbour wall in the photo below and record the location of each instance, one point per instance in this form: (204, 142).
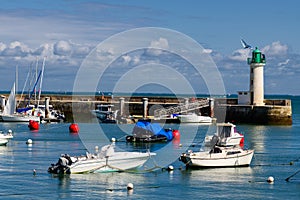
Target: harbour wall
(275, 112)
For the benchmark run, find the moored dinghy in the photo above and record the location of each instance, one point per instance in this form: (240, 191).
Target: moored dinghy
(105, 161)
(5, 137)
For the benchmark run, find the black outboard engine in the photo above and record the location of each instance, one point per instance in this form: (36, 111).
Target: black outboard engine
(62, 166)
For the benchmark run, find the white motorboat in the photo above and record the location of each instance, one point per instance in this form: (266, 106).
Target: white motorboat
(194, 118)
(218, 157)
(105, 114)
(106, 160)
(224, 149)
(4, 138)
(226, 135)
(18, 118)
(40, 111)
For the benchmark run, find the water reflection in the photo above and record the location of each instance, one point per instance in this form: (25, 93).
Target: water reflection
(220, 175)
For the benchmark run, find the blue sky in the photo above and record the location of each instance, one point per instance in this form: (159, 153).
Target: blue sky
(66, 31)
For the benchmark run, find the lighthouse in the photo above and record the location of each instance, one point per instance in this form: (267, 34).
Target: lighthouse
(257, 63)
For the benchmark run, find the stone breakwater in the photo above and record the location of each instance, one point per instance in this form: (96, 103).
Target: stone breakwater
(278, 112)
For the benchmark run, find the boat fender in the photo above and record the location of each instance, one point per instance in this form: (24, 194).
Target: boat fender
(176, 134)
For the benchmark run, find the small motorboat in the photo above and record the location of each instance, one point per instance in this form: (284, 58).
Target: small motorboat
(194, 118)
(224, 149)
(5, 137)
(105, 114)
(145, 131)
(226, 135)
(107, 160)
(218, 157)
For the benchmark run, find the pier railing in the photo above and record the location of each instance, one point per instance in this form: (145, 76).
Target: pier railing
(181, 108)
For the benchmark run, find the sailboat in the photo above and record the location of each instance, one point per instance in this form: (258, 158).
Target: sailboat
(9, 113)
(45, 113)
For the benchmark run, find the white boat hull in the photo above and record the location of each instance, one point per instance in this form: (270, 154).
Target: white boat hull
(120, 161)
(4, 139)
(106, 160)
(193, 118)
(18, 118)
(207, 159)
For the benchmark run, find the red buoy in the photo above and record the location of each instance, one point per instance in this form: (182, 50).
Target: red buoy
(33, 125)
(74, 128)
(176, 134)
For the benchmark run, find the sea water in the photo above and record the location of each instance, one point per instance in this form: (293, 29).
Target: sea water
(277, 154)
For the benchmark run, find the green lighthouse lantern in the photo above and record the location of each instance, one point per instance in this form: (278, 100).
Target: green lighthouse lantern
(257, 57)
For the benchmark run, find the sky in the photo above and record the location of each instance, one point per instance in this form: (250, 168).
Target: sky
(65, 32)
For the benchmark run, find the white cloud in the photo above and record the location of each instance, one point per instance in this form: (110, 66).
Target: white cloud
(62, 48)
(126, 59)
(275, 49)
(2, 46)
(208, 51)
(240, 55)
(161, 43)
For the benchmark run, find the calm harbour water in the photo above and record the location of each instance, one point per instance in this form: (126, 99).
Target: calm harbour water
(275, 148)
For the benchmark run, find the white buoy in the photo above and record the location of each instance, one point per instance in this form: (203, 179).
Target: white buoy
(9, 131)
(34, 171)
(113, 139)
(180, 145)
(270, 179)
(129, 186)
(170, 168)
(29, 141)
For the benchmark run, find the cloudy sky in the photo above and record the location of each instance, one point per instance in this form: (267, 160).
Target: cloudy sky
(66, 32)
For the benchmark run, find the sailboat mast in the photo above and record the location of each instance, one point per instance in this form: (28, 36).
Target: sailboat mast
(36, 77)
(41, 82)
(16, 87)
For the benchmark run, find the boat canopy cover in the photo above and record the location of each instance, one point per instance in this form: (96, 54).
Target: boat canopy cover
(20, 110)
(152, 128)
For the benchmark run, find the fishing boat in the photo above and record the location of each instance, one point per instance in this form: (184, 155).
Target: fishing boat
(226, 135)
(105, 114)
(107, 160)
(218, 157)
(193, 118)
(5, 137)
(145, 131)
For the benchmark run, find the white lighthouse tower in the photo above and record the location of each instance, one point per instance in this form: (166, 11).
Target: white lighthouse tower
(257, 63)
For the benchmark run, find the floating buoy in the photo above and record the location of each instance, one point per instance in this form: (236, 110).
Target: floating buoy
(33, 125)
(9, 131)
(113, 139)
(176, 134)
(170, 168)
(74, 128)
(129, 186)
(34, 172)
(270, 179)
(29, 141)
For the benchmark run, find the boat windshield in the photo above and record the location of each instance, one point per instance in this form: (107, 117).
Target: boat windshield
(224, 131)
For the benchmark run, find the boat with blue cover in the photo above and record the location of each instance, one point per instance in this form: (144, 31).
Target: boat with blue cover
(145, 131)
